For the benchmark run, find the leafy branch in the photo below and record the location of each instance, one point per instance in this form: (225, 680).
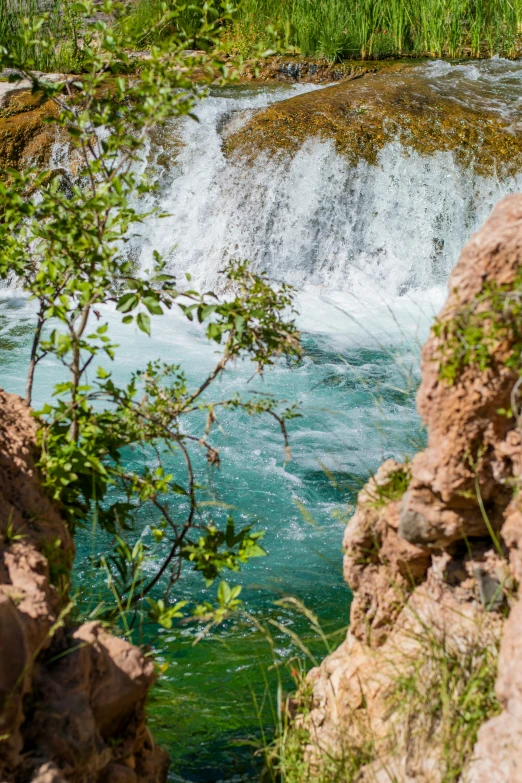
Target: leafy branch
(116, 453)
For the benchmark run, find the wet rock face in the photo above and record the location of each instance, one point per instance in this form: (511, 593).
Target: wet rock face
(437, 568)
(25, 138)
(71, 698)
(364, 115)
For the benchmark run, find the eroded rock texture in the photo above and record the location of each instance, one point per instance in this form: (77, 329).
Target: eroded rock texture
(306, 69)
(434, 572)
(71, 698)
(362, 115)
(26, 138)
(468, 438)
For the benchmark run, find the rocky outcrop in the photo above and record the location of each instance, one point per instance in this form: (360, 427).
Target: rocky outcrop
(470, 441)
(433, 555)
(26, 138)
(497, 755)
(71, 697)
(399, 104)
(378, 563)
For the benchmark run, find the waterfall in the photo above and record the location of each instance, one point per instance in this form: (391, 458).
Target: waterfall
(312, 219)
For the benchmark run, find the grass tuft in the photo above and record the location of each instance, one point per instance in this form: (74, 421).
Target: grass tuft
(372, 29)
(444, 697)
(393, 488)
(61, 27)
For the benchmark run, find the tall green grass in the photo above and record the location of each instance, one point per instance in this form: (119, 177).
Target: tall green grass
(141, 21)
(60, 46)
(333, 29)
(368, 29)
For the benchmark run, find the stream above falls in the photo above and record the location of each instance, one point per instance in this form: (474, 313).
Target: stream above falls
(368, 245)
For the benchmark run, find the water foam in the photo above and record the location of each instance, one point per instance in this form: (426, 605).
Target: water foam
(314, 220)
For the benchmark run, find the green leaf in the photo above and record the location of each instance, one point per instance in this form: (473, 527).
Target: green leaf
(152, 304)
(224, 593)
(205, 311)
(214, 332)
(143, 321)
(239, 323)
(127, 302)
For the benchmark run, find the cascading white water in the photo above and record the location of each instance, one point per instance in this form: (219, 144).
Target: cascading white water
(313, 219)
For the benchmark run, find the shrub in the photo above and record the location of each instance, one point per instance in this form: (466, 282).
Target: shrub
(65, 240)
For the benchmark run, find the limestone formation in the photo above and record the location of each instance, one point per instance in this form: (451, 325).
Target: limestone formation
(361, 116)
(26, 139)
(434, 573)
(71, 697)
(469, 439)
(378, 562)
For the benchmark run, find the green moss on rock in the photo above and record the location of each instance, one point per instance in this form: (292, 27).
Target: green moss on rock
(25, 136)
(362, 116)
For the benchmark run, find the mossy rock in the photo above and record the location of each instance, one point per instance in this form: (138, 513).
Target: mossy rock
(362, 116)
(18, 101)
(25, 136)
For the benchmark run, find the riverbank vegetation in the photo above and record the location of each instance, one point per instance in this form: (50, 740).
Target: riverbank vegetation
(438, 697)
(367, 29)
(354, 29)
(330, 29)
(58, 46)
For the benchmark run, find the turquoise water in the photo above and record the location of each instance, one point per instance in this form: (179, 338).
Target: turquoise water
(357, 399)
(369, 250)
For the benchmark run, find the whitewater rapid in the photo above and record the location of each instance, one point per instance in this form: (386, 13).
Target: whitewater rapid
(313, 220)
